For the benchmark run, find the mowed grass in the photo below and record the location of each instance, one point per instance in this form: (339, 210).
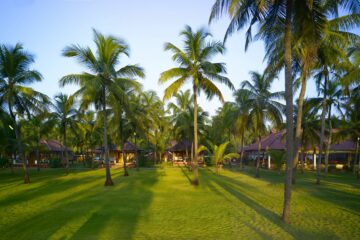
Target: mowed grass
(161, 204)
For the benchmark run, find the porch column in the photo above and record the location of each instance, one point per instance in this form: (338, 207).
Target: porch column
(269, 161)
(314, 160)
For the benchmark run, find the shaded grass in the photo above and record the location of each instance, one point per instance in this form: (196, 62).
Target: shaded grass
(161, 204)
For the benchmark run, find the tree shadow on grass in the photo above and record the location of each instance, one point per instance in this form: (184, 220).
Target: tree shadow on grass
(232, 187)
(185, 171)
(91, 213)
(121, 208)
(46, 184)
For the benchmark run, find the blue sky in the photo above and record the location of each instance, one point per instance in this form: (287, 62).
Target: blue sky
(46, 27)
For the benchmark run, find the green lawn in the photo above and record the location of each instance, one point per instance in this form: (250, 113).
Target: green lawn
(161, 204)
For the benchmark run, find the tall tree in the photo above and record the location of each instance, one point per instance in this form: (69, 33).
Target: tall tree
(104, 79)
(283, 14)
(263, 106)
(19, 99)
(65, 115)
(242, 97)
(195, 65)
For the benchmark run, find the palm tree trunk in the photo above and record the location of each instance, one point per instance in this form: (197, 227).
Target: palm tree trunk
(126, 173)
(257, 173)
(136, 156)
(298, 131)
(356, 157)
(302, 161)
(329, 143)
(289, 112)
(20, 146)
(38, 153)
(155, 154)
(323, 114)
(108, 180)
(242, 150)
(66, 152)
(195, 160)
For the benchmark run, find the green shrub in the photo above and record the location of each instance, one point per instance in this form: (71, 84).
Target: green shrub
(54, 163)
(88, 162)
(277, 158)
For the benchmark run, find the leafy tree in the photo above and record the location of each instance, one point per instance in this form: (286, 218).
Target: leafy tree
(103, 80)
(195, 65)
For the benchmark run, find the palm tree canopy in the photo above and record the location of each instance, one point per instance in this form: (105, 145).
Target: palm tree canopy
(195, 64)
(104, 73)
(262, 103)
(15, 74)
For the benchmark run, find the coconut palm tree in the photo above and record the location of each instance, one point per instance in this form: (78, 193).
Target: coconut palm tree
(103, 80)
(285, 15)
(332, 92)
(19, 99)
(65, 115)
(195, 65)
(242, 122)
(263, 106)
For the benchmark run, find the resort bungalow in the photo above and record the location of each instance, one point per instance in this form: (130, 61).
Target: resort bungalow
(341, 154)
(181, 153)
(49, 149)
(115, 153)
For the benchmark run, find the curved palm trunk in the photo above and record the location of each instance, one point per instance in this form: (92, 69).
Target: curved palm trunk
(195, 181)
(329, 143)
(289, 112)
(20, 147)
(108, 180)
(257, 173)
(323, 114)
(298, 131)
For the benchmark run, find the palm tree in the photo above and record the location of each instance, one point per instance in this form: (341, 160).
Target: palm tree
(218, 154)
(242, 116)
(19, 99)
(350, 124)
(332, 92)
(103, 80)
(195, 65)
(179, 112)
(263, 106)
(285, 15)
(65, 114)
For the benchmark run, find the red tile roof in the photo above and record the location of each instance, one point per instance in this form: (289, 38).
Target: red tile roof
(276, 141)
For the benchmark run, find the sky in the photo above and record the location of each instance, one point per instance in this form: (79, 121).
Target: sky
(45, 27)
